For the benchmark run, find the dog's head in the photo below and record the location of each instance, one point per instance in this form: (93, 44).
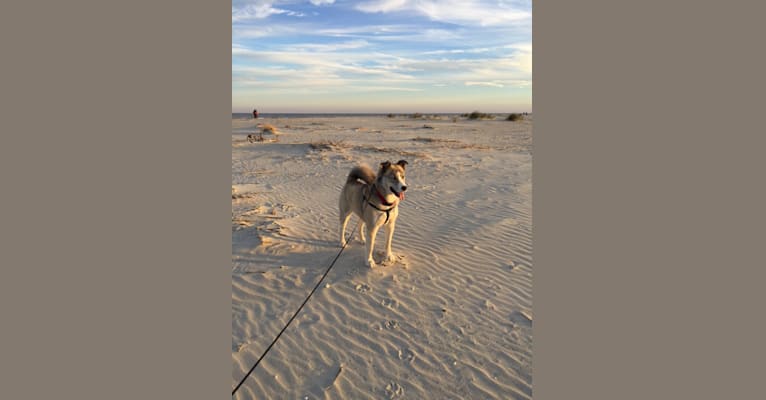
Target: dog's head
(392, 177)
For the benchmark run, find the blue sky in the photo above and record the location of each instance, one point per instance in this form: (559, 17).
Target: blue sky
(381, 56)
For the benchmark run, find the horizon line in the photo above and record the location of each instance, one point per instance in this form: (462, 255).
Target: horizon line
(377, 112)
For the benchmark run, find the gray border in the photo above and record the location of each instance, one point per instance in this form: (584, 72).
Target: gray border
(115, 164)
(648, 200)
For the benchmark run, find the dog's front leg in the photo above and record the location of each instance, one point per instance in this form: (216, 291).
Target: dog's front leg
(372, 231)
(390, 231)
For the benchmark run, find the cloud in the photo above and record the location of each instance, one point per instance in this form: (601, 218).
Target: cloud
(392, 33)
(257, 9)
(381, 6)
(324, 47)
(520, 46)
(309, 79)
(240, 32)
(315, 62)
(461, 12)
(320, 2)
(349, 64)
(471, 12)
(500, 83)
(515, 58)
(522, 57)
(460, 51)
(387, 89)
(493, 84)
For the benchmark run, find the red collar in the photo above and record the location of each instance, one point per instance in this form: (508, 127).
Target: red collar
(382, 199)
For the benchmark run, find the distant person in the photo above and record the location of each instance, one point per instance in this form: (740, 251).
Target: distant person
(255, 114)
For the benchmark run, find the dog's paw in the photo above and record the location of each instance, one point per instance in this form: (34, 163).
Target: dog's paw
(391, 258)
(370, 263)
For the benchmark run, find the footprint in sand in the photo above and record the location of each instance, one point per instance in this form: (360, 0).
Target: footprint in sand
(390, 303)
(402, 259)
(398, 259)
(406, 354)
(363, 288)
(391, 324)
(394, 390)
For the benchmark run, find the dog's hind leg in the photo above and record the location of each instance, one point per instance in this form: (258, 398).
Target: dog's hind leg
(361, 231)
(344, 217)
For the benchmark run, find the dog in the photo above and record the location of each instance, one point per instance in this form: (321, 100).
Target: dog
(375, 200)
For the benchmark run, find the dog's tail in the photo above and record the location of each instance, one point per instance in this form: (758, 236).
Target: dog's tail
(362, 172)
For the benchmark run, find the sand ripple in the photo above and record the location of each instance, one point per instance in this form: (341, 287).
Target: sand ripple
(452, 319)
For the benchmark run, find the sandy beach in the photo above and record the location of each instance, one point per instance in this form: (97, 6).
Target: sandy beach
(451, 319)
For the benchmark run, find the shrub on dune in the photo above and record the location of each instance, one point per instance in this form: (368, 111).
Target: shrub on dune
(479, 115)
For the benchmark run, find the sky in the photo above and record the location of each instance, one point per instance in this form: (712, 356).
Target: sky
(381, 56)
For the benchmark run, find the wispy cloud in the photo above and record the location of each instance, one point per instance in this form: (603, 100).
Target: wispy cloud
(526, 46)
(381, 6)
(328, 47)
(393, 33)
(493, 84)
(459, 51)
(328, 63)
(471, 12)
(258, 9)
(468, 12)
(312, 68)
(311, 78)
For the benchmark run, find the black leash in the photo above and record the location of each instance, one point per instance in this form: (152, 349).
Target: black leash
(299, 308)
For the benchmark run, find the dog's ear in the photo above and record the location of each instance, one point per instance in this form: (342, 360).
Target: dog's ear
(402, 163)
(385, 164)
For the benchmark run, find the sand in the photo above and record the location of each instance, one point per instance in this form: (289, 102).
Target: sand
(451, 319)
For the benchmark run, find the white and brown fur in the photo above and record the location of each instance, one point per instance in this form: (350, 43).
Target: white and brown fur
(360, 196)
